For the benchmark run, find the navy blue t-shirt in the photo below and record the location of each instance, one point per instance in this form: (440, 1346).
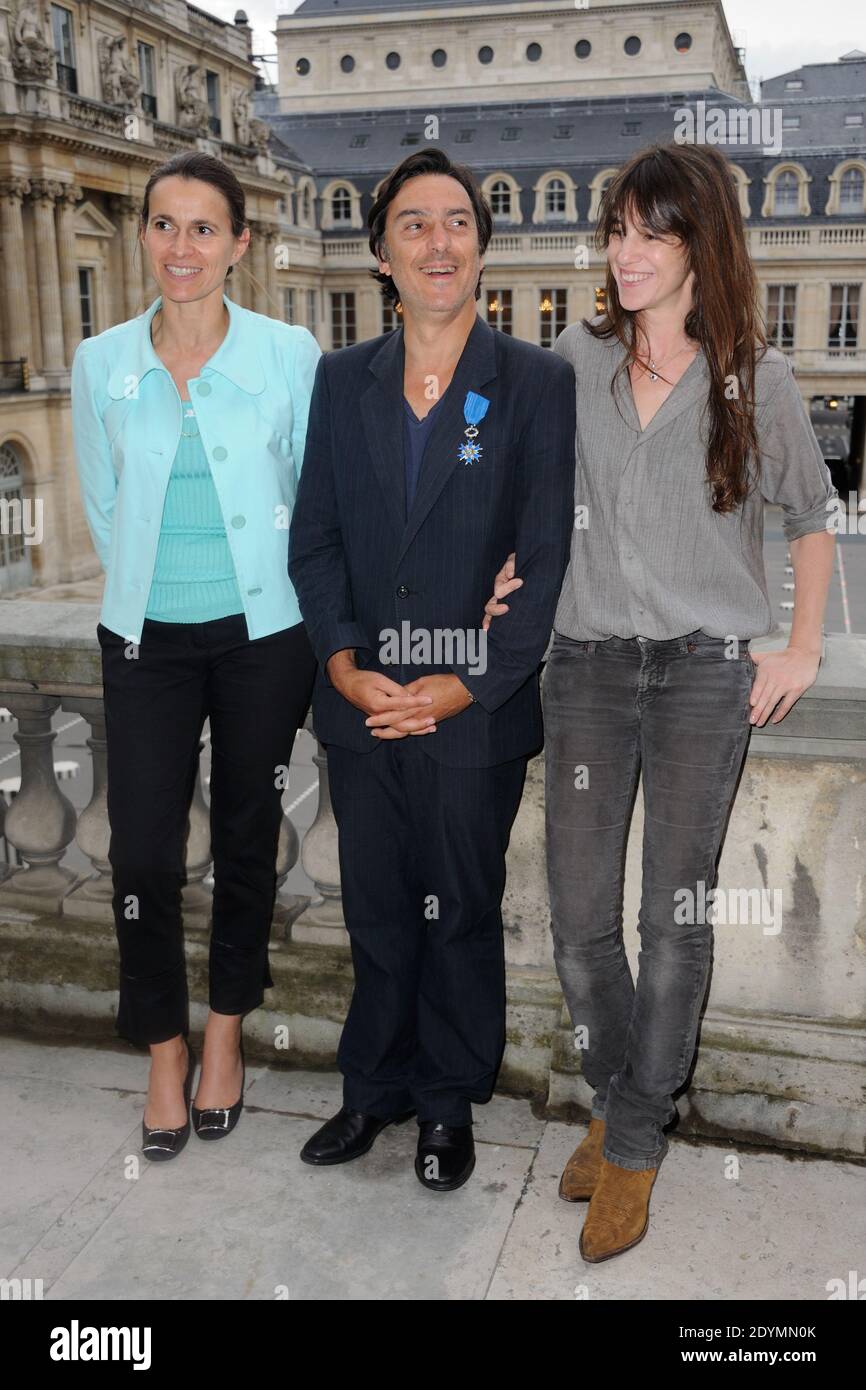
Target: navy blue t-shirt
(415, 435)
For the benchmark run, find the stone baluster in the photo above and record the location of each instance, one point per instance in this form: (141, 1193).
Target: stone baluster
(288, 848)
(322, 922)
(287, 906)
(70, 296)
(92, 898)
(44, 194)
(126, 209)
(40, 823)
(16, 298)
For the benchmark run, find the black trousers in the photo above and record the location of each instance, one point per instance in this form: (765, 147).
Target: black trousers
(256, 694)
(422, 866)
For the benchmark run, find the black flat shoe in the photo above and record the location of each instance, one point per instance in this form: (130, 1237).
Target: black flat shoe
(159, 1145)
(348, 1135)
(446, 1155)
(216, 1122)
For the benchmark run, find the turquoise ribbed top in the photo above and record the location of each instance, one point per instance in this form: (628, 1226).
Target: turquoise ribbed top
(194, 576)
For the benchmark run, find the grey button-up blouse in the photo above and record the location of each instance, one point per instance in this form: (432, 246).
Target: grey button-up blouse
(649, 556)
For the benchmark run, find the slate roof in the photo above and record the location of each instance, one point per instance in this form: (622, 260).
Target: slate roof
(582, 135)
(586, 130)
(830, 91)
(845, 78)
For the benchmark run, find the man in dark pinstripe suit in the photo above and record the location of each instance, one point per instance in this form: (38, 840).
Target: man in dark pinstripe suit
(431, 454)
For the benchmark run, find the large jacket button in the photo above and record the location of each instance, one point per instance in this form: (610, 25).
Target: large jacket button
(402, 592)
(238, 522)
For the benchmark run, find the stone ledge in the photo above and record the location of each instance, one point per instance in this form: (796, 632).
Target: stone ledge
(786, 1082)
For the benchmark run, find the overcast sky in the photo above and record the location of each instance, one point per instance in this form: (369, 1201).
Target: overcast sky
(776, 36)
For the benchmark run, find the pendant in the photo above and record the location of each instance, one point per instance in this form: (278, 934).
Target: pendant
(470, 452)
(474, 411)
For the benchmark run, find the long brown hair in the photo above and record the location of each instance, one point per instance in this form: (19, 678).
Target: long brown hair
(688, 191)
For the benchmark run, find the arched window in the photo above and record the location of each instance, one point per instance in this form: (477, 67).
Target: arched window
(851, 191)
(500, 199)
(786, 191)
(15, 572)
(554, 199)
(341, 205)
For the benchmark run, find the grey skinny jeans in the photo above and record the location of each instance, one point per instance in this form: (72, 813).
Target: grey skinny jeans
(676, 712)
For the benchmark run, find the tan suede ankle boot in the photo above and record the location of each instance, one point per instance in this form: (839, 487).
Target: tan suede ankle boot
(618, 1215)
(580, 1174)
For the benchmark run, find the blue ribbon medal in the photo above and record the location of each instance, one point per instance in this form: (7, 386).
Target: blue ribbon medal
(474, 410)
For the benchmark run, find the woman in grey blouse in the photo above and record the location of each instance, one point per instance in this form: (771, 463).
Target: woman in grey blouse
(686, 423)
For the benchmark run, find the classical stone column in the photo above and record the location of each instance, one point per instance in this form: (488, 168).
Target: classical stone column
(126, 208)
(44, 194)
(69, 290)
(40, 823)
(13, 269)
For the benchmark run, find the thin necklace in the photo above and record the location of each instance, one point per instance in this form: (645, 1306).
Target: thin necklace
(654, 366)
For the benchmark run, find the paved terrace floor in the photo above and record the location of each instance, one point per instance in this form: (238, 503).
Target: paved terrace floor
(244, 1219)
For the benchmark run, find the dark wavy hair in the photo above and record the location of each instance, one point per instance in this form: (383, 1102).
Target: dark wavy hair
(688, 191)
(194, 164)
(432, 161)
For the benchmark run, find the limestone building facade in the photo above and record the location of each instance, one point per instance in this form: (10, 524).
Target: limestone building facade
(544, 99)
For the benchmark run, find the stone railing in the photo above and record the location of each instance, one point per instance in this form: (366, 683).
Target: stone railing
(520, 245)
(841, 240)
(50, 661)
(782, 1059)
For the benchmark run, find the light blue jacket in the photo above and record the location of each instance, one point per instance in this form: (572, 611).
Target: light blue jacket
(252, 399)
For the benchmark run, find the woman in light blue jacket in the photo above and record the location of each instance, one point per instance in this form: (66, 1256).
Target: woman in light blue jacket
(189, 425)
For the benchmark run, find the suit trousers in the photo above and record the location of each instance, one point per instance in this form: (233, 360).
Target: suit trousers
(422, 864)
(157, 697)
(675, 712)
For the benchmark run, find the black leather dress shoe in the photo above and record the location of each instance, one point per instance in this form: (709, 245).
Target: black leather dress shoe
(348, 1135)
(159, 1145)
(446, 1155)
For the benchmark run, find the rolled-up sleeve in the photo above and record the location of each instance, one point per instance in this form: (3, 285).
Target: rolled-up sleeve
(793, 473)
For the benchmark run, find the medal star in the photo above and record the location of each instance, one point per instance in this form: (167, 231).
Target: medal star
(470, 452)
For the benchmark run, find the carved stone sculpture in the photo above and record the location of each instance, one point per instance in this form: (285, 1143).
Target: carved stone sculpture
(120, 85)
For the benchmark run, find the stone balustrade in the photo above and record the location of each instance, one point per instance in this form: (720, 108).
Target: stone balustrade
(783, 1048)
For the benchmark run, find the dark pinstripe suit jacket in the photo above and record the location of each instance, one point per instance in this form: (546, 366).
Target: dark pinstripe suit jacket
(361, 570)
